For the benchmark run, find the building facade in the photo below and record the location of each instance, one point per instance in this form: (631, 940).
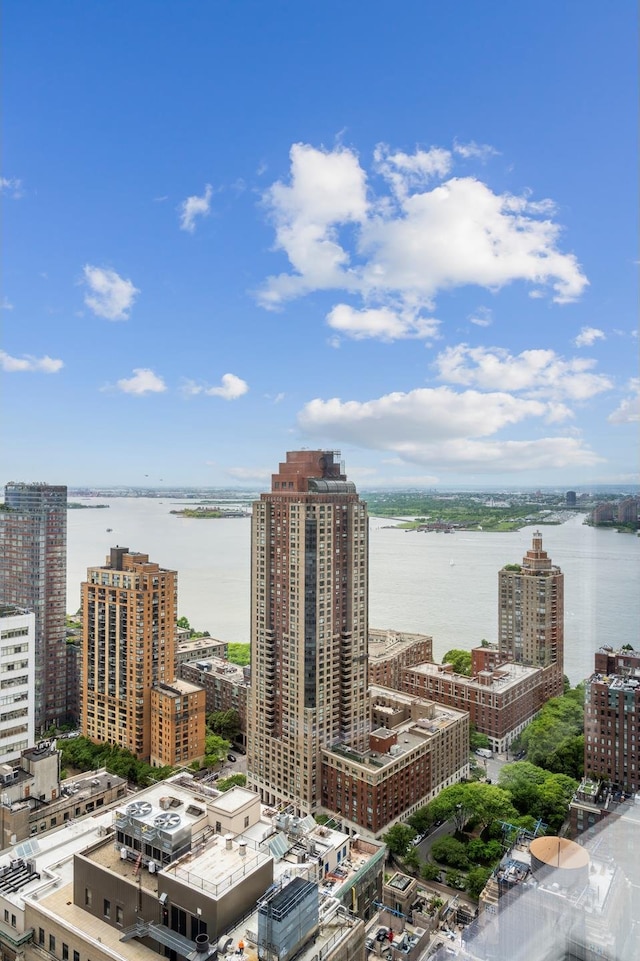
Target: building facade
(177, 723)
(612, 719)
(309, 632)
(390, 652)
(33, 575)
(226, 687)
(129, 617)
(17, 673)
(531, 611)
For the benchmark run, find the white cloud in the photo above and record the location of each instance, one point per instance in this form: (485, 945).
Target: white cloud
(540, 373)
(628, 411)
(44, 365)
(12, 187)
(403, 246)
(6, 304)
(194, 207)
(230, 388)
(444, 429)
(481, 317)
(144, 381)
(109, 295)
(405, 171)
(588, 336)
(327, 190)
(481, 151)
(382, 323)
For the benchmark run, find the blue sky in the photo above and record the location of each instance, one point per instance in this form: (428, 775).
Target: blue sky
(406, 231)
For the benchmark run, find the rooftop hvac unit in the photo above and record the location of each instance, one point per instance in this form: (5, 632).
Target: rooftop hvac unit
(139, 809)
(167, 821)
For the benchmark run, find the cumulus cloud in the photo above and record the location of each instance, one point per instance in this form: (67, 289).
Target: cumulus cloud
(399, 248)
(12, 187)
(44, 365)
(108, 295)
(230, 388)
(628, 412)
(440, 428)
(588, 336)
(539, 373)
(194, 207)
(382, 323)
(144, 381)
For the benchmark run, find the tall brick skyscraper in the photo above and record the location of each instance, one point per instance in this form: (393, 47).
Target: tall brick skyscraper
(129, 619)
(309, 632)
(531, 610)
(33, 575)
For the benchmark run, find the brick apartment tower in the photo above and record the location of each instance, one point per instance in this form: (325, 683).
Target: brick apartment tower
(129, 619)
(33, 576)
(531, 611)
(309, 632)
(612, 719)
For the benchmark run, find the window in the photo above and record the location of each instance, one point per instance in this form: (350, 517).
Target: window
(76, 956)
(88, 897)
(119, 914)
(52, 944)
(40, 935)
(65, 952)
(107, 908)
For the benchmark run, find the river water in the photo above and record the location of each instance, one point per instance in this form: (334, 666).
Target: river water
(445, 585)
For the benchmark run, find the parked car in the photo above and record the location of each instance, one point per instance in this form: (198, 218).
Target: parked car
(231, 757)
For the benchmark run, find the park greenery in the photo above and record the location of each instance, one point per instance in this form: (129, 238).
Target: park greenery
(463, 509)
(225, 723)
(83, 755)
(460, 661)
(239, 654)
(555, 740)
(486, 818)
(234, 780)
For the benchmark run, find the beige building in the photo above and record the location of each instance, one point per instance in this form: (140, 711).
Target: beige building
(390, 652)
(130, 696)
(309, 631)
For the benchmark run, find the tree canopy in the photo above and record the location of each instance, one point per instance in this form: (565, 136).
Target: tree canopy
(398, 838)
(538, 793)
(460, 660)
(554, 739)
(239, 654)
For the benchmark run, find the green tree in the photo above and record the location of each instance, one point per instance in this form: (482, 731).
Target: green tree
(450, 851)
(455, 879)
(398, 838)
(239, 654)
(477, 740)
(412, 860)
(460, 660)
(216, 749)
(476, 880)
(183, 623)
(430, 871)
(225, 723)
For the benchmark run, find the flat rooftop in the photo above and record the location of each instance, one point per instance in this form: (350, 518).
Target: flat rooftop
(504, 677)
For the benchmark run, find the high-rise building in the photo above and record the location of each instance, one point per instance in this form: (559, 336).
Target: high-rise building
(33, 575)
(612, 719)
(309, 600)
(129, 619)
(531, 610)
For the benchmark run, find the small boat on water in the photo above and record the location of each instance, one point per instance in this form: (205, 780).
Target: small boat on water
(109, 529)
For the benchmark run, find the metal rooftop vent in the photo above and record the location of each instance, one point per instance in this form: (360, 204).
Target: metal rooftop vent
(139, 809)
(167, 820)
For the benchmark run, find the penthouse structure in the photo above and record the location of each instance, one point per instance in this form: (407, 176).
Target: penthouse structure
(309, 630)
(128, 693)
(33, 576)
